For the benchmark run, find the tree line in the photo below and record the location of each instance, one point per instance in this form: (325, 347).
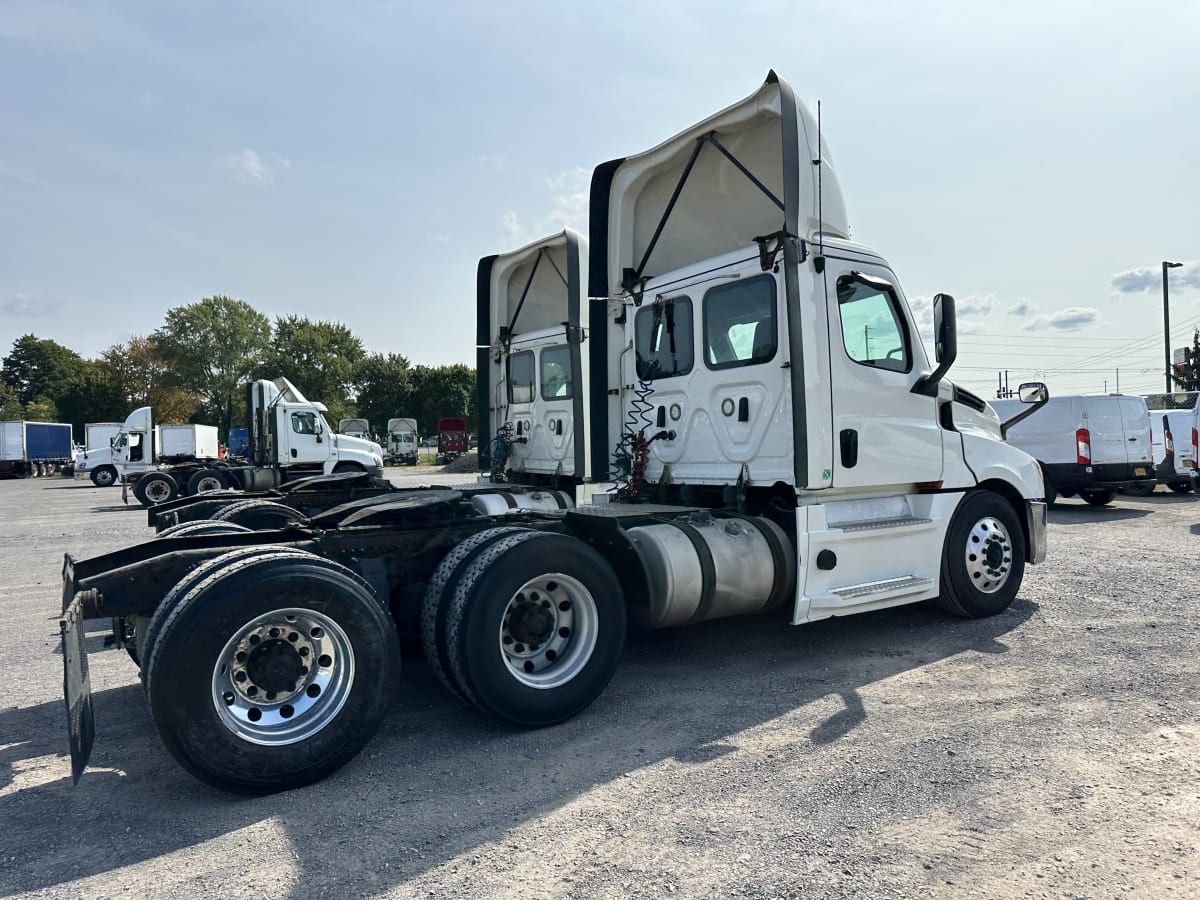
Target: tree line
(195, 366)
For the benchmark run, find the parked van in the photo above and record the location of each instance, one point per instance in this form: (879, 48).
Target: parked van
(1090, 445)
(1170, 443)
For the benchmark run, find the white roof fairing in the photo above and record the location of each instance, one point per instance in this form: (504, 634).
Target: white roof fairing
(719, 208)
(547, 303)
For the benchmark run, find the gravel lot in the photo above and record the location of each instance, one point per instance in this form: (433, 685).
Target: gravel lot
(1050, 751)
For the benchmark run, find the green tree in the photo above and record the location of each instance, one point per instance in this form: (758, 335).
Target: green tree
(320, 358)
(440, 392)
(10, 404)
(383, 390)
(41, 410)
(211, 348)
(39, 368)
(91, 394)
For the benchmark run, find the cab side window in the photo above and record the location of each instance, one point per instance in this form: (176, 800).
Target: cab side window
(873, 328)
(740, 327)
(520, 377)
(663, 339)
(556, 373)
(304, 422)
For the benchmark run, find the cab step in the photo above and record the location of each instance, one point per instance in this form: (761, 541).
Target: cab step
(892, 587)
(887, 522)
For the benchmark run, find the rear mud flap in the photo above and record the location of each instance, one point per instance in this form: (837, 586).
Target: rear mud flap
(77, 688)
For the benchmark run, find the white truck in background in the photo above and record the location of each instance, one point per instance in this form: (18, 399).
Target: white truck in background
(403, 440)
(765, 455)
(288, 439)
(97, 444)
(140, 446)
(356, 428)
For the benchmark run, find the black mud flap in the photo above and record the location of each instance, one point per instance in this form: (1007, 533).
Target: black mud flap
(77, 688)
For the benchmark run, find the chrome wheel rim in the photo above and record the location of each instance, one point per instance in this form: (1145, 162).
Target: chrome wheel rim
(157, 491)
(988, 555)
(105, 477)
(283, 676)
(208, 483)
(548, 631)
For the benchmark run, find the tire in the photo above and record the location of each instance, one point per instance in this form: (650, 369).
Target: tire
(232, 690)
(201, 528)
(503, 583)
(258, 515)
(1180, 487)
(1097, 498)
(1139, 488)
(433, 605)
(104, 476)
(205, 481)
(983, 560)
(154, 488)
(347, 467)
(189, 580)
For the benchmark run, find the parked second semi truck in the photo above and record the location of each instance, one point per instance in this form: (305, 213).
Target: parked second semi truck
(288, 439)
(403, 441)
(763, 456)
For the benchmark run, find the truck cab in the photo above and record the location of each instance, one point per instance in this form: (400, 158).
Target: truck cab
(289, 438)
(533, 366)
(357, 428)
(402, 441)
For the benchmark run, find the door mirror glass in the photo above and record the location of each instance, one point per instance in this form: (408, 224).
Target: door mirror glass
(945, 329)
(1033, 392)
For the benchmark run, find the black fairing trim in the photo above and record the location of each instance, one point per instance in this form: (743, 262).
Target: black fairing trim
(598, 201)
(483, 369)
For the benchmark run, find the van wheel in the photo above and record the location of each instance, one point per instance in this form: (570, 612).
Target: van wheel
(1139, 488)
(205, 481)
(437, 592)
(105, 476)
(1097, 498)
(983, 560)
(1181, 488)
(154, 488)
(535, 627)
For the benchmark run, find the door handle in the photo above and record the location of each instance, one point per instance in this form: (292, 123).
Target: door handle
(1132, 439)
(294, 453)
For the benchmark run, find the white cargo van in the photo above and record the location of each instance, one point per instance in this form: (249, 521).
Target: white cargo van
(1171, 444)
(1090, 445)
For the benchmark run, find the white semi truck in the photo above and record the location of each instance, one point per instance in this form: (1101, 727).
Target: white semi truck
(403, 442)
(358, 428)
(289, 439)
(758, 388)
(139, 445)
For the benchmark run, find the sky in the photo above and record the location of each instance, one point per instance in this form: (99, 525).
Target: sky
(354, 160)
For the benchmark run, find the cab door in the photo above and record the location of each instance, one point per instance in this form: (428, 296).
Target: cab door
(883, 433)
(304, 441)
(554, 428)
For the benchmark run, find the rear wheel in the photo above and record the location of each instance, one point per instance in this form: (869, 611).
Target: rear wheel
(205, 481)
(154, 488)
(104, 476)
(437, 592)
(1180, 487)
(983, 561)
(271, 672)
(535, 627)
(259, 514)
(1097, 498)
(1139, 488)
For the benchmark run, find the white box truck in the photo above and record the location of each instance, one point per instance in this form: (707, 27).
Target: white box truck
(1087, 444)
(797, 465)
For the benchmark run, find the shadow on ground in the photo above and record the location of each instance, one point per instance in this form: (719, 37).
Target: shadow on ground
(440, 779)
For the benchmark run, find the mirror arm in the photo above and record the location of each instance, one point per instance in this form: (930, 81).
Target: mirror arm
(1022, 416)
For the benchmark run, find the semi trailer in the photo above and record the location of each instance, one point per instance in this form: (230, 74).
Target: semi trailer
(751, 451)
(35, 448)
(287, 439)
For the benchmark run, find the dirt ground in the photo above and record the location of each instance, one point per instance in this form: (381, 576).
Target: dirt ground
(1052, 751)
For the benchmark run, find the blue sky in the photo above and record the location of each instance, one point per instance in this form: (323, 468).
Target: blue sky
(354, 160)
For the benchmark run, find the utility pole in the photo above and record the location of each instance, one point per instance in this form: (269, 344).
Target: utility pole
(1167, 320)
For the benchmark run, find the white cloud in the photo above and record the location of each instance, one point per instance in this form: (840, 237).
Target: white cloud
(1070, 319)
(1022, 307)
(26, 306)
(568, 209)
(1147, 278)
(249, 167)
